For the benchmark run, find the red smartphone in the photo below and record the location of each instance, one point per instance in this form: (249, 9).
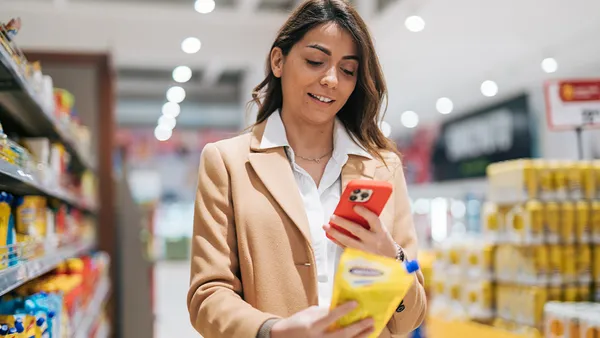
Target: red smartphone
(372, 195)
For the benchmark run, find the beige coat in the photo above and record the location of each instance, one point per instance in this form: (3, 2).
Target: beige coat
(251, 254)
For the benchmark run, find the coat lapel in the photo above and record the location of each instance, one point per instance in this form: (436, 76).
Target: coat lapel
(273, 169)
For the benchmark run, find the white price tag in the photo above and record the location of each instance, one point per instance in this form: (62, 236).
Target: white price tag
(573, 104)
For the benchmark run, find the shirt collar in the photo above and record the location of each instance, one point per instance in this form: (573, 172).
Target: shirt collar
(343, 143)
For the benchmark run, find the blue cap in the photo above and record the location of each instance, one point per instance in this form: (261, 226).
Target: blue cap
(412, 266)
(12, 330)
(51, 314)
(3, 329)
(40, 321)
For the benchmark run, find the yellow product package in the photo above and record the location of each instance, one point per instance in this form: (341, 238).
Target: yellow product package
(378, 284)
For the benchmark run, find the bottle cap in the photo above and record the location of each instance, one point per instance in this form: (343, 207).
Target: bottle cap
(12, 330)
(412, 266)
(40, 321)
(51, 314)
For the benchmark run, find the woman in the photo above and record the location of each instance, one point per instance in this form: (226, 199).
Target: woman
(262, 265)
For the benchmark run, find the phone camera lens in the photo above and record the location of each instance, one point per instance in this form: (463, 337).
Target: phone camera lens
(357, 191)
(353, 198)
(364, 195)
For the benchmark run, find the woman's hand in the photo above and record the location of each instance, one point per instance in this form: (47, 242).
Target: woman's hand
(314, 322)
(376, 240)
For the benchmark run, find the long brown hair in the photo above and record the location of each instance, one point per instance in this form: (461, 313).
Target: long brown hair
(363, 110)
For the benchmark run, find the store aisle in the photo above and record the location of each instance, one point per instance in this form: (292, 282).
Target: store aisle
(171, 286)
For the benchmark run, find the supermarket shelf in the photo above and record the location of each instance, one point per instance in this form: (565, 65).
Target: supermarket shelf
(15, 276)
(20, 104)
(15, 180)
(89, 317)
(439, 328)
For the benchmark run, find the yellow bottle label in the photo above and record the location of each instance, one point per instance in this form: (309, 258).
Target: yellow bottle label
(583, 294)
(596, 264)
(555, 294)
(574, 180)
(556, 264)
(595, 221)
(567, 223)
(582, 221)
(570, 264)
(584, 264)
(535, 220)
(530, 180)
(561, 180)
(587, 176)
(571, 293)
(552, 222)
(547, 185)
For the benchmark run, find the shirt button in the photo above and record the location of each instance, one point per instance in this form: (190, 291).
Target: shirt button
(323, 279)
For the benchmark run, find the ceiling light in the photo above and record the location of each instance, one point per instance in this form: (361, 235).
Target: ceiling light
(414, 23)
(204, 6)
(162, 133)
(171, 109)
(549, 65)
(182, 74)
(191, 45)
(175, 94)
(489, 88)
(444, 105)
(386, 129)
(409, 119)
(167, 121)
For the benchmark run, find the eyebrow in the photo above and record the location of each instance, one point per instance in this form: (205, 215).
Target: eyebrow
(328, 52)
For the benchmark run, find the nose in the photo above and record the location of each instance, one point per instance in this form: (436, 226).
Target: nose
(330, 79)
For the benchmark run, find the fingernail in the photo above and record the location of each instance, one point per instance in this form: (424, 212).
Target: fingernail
(353, 304)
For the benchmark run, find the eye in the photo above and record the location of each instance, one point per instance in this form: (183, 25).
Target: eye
(314, 63)
(349, 72)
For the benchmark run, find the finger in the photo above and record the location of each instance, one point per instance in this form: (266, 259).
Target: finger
(353, 330)
(356, 229)
(326, 227)
(370, 217)
(345, 240)
(335, 314)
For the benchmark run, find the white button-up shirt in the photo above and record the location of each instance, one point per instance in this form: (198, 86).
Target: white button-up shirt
(319, 201)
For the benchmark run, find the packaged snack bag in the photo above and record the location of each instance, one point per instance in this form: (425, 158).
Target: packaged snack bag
(378, 284)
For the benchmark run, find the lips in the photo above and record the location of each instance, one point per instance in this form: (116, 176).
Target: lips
(321, 98)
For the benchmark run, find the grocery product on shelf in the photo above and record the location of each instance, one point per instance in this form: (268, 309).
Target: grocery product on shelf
(541, 226)
(56, 304)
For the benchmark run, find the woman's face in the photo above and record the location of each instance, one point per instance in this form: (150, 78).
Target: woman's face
(319, 74)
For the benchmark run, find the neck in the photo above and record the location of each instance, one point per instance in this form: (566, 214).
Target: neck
(308, 140)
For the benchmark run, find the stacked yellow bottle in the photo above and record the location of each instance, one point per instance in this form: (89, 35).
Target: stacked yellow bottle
(544, 217)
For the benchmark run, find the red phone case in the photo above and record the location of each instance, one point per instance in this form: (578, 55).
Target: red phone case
(380, 192)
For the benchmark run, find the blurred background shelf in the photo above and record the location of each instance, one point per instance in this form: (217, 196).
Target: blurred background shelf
(20, 105)
(15, 276)
(93, 313)
(14, 179)
(440, 328)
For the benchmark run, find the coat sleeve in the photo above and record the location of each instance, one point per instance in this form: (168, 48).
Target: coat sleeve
(214, 300)
(411, 312)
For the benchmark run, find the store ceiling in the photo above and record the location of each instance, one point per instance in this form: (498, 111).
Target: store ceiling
(464, 43)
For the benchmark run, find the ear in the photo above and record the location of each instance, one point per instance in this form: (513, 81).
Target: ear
(277, 61)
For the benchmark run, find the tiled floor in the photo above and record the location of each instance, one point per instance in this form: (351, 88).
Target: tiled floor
(171, 288)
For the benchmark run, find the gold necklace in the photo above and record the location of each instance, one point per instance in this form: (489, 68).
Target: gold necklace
(316, 160)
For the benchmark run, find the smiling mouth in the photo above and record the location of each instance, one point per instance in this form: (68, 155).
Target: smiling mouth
(322, 99)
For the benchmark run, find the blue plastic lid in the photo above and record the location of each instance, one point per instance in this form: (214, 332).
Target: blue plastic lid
(51, 314)
(12, 330)
(412, 266)
(4, 329)
(40, 321)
